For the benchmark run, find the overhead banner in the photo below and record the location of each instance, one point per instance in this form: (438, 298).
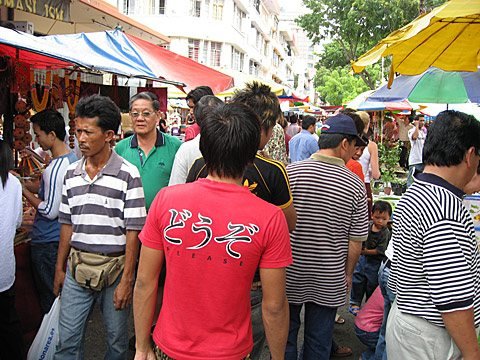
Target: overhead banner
(52, 9)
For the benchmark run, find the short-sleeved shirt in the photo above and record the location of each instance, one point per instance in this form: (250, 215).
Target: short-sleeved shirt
(378, 240)
(102, 209)
(302, 146)
(275, 147)
(416, 150)
(212, 248)
(331, 205)
(436, 264)
(265, 178)
(355, 167)
(184, 159)
(46, 227)
(155, 168)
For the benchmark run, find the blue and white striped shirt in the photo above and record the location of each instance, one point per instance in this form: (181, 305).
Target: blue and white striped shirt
(436, 264)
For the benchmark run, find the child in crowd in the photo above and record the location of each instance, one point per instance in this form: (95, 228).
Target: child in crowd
(365, 276)
(368, 323)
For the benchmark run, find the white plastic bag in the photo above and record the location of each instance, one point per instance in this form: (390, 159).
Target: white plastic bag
(45, 342)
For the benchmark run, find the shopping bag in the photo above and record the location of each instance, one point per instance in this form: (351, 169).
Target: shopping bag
(45, 342)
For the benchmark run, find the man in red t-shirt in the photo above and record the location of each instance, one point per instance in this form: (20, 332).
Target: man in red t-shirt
(213, 234)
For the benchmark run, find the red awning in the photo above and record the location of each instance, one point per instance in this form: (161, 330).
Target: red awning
(170, 65)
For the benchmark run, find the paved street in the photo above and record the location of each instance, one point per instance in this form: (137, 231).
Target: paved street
(95, 339)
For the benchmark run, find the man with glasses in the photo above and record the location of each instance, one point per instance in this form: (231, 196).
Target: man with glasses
(150, 150)
(435, 267)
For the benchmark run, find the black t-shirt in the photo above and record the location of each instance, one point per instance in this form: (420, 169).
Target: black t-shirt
(378, 240)
(265, 178)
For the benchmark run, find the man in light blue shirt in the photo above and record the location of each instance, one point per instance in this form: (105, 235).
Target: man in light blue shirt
(303, 145)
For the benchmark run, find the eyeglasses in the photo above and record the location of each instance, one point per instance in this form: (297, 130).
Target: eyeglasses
(144, 114)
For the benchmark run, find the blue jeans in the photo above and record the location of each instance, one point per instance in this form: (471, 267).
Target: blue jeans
(44, 258)
(370, 340)
(365, 279)
(75, 306)
(319, 321)
(257, 324)
(389, 297)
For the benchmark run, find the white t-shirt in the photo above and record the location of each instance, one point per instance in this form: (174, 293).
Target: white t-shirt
(417, 147)
(10, 220)
(186, 155)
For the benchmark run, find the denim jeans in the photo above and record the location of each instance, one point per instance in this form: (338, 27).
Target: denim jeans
(44, 258)
(319, 321)
(389, 297)
(257, 324)
(74, 310)
(11, 337)
(370, 340)
(365, 279)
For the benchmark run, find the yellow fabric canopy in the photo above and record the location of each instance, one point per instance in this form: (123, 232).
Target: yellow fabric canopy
(448, 38)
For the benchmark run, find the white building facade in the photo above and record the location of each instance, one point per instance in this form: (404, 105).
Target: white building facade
(242, 38)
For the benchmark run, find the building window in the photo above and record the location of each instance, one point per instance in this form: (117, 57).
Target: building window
(253, 68)
(165, 46)
(237, 60)
(238, 16)
(218, 9)
(195, 6)
(161, 7)
(193, 49)
(203, 60)
(129, 7)
(256, 5)
(276, 59)
(215, 53)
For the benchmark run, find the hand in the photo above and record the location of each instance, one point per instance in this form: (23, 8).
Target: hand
(416, 123)
(123, 294)
(58, 281)
(145, 355)
(348, 278)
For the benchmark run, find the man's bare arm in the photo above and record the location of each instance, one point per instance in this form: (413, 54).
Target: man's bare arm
(354, 250)
(145, 295)
(291, 216)
(460, 326)
(62, 255)
(275, 310)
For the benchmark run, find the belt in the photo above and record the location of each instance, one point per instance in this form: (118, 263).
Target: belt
(114, 254)
(160, 355)
(388, 263)
(256, 285)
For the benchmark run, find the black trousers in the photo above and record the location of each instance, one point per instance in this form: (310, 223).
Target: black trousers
(11, 341)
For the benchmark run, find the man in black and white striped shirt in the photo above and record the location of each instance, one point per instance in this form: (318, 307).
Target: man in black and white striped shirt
(435, 271)
(332, 223)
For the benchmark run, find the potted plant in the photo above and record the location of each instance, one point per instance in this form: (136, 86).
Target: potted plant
(388, 157)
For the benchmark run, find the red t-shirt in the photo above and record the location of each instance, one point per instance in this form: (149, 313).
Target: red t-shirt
(355, 167)
(214, 236)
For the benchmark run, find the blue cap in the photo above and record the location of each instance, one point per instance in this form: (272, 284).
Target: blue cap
(339, 124)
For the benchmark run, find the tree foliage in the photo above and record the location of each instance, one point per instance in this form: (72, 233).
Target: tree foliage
(350, 28)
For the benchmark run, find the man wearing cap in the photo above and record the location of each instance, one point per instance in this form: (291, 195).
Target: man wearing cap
(332, 223)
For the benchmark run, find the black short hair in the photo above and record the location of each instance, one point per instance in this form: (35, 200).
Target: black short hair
(6, 161)
(101, 107)
(206, 104)
(307, 122)
(199, 92)
(145, 95)
(449, 138)
(50, 120)
(331, 141)
(292, 117)
(260, 98)
(229, 140)
(382, 206)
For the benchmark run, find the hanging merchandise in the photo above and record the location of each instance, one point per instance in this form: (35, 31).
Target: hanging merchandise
(57, 93)
(21, 132)
(37, 104)
(72, 93)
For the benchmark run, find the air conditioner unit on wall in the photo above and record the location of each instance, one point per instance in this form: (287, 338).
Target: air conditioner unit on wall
(25, 26)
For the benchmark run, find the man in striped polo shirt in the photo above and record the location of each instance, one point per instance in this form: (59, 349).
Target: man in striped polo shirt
(102, 212)
(435, 271)
(331, 204)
